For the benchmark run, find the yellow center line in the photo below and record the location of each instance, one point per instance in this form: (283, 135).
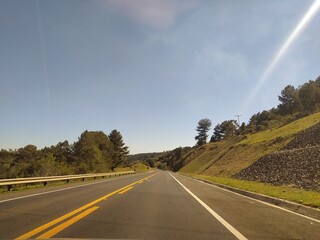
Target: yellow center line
(55, 221)
(66, 224)
(125, 190)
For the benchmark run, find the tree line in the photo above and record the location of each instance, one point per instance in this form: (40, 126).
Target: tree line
(294, 103)
(93, 152)
(172, 160)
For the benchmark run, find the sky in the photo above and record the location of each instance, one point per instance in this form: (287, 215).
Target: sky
(149, 68)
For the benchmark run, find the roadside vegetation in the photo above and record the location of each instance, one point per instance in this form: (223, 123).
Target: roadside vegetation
(231, 148)
(234, 146)
(140, 167)
(93, 152)
(297, 195)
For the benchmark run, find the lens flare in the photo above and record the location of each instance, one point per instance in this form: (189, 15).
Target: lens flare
(304, 21)
(43, 53)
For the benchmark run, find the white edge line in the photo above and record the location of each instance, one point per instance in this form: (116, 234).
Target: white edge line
(53, 191)
(268, 204)
(235, 232)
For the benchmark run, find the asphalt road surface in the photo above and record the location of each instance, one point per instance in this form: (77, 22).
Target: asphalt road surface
(153, 205)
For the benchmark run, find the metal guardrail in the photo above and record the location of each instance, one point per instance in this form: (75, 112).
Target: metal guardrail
(9, 183)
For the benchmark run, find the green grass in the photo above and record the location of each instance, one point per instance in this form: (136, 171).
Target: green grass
(292, 194)
(228, 157)
(204, 157)
(284, 131)
(123, 169)
(21, 187)
(140, 167)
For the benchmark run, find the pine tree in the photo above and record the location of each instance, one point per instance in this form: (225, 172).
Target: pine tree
(202, 129)
(120, 150)
(289, 100)
(223, 130)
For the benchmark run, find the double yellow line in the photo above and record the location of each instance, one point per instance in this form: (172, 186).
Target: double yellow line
(85, 210)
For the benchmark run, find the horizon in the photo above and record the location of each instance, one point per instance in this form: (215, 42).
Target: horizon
(151, 69)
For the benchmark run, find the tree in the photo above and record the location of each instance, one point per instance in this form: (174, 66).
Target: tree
(6, 163)
(242, 128)
(93, 152)
(217, 133)
(120, 151)
(45, 166)
(202, 129)
(289, 100)
(149, 162)
(309, 95)
(62, 152)
(173, 160)
(27, 153)
(226, 129)
(22, 165)
(262, 120)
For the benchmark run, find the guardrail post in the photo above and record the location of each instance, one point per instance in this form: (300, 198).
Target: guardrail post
(82, 179)
(68, 180)
(45, 183)
(9, 187)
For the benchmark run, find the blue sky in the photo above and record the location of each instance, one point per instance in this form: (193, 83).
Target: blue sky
(148, 68)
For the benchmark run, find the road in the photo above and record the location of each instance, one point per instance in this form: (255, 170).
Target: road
(153, 205)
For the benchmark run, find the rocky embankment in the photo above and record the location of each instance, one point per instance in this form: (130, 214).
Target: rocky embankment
(307, 138)
(297, 164)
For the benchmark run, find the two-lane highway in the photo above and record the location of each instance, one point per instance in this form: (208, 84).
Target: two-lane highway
(154, 205)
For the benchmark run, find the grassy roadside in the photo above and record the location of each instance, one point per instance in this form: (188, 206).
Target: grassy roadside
(283, 131)
(29, 186)
(140, 167)
(292, 194)
(228, 157)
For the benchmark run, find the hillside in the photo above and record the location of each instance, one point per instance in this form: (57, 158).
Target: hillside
(297, 164)
(230, 157)
(142, 157)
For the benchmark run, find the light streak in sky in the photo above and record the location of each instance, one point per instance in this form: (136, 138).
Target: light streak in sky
(43, 53)
(304, 21)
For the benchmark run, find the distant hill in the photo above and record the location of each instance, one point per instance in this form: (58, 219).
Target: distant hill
(143, 157)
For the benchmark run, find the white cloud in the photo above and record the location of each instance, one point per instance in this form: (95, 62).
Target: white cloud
(152, 13)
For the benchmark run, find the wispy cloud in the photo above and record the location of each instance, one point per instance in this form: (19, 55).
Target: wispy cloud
(221, 63)
(159, 14)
